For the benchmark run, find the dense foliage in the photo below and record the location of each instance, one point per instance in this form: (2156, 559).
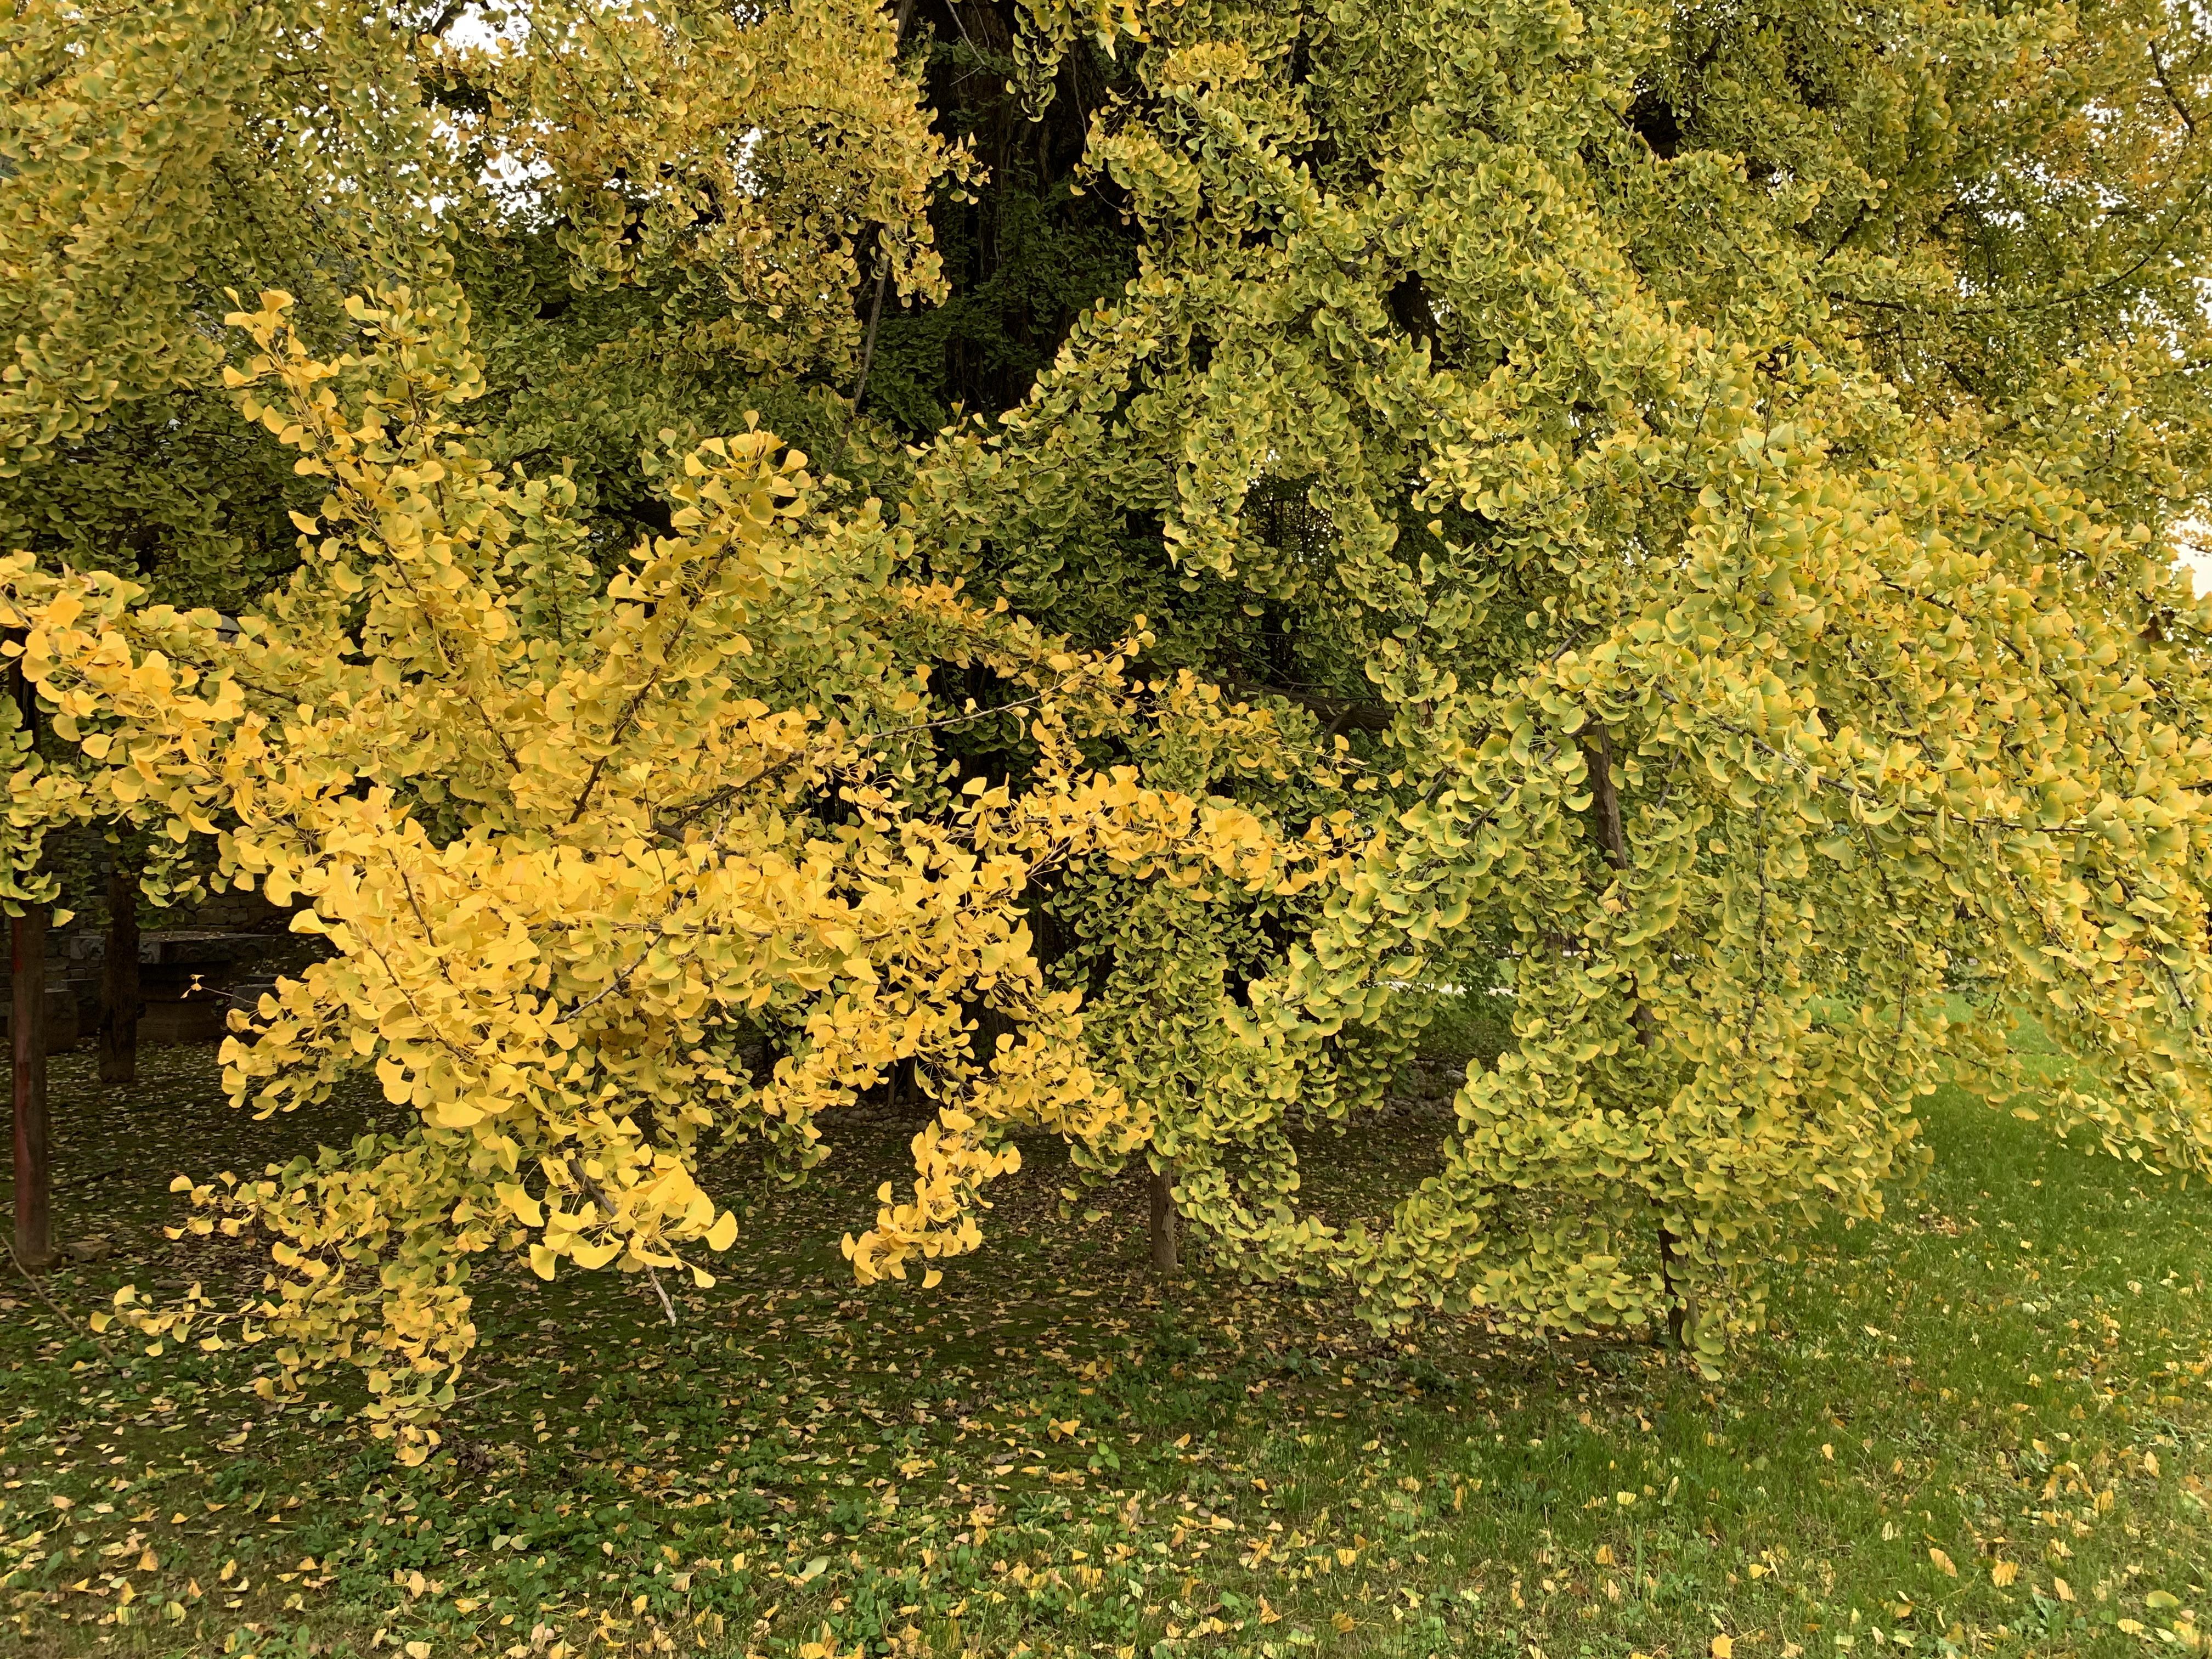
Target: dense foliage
(1666, 513)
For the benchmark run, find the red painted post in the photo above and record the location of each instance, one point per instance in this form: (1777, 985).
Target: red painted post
(27, 1042)
(27, 1033)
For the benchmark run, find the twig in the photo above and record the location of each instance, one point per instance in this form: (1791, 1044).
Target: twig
(60, 1312)
(598, 1197)
(87, 1180)
(961, 719)
(868, 343)
(489, 1389)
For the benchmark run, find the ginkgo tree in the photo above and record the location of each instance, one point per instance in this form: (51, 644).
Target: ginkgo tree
(642, 274)
(1665, 513)
(667, 258)
(1729, 461)
(574, 839)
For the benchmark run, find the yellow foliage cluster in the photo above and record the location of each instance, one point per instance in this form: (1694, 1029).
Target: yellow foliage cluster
(568, 840)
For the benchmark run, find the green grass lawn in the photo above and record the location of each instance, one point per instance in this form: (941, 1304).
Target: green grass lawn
(1980, 1428)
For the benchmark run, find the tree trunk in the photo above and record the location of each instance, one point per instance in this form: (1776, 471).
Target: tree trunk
(1599, 758)
(119, 1002)
(1163, 1229)
(1673, 1274)
(26, 1039)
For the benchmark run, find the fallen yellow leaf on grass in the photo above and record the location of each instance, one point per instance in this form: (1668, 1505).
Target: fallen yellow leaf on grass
(1342, 1622)
(1943, 1562)
(2065, 1590)
(2001, 1573)
(1723, 1647)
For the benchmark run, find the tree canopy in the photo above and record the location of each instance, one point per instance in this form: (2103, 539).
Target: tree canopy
(1664, 518)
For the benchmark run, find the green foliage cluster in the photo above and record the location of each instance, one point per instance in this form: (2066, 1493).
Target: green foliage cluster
(1720, 468)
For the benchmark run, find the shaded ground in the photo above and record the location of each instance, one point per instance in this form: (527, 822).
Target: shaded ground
(1981, 1428)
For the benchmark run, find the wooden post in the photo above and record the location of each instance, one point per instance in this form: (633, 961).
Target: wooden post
(26, 1040)
(1163, 1222)
(120, 1004)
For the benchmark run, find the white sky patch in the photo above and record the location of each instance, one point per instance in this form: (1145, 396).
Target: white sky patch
(2192, 542)
(475, 28)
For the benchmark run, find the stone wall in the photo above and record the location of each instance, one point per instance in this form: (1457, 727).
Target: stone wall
(196, 962)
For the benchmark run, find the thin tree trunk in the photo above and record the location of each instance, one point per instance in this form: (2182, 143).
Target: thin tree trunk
(1599, 757)
(26, 1039)
(883, 276)
(1163, 1229)
(120, 1004)
(1673, 1275)
(868, 340)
